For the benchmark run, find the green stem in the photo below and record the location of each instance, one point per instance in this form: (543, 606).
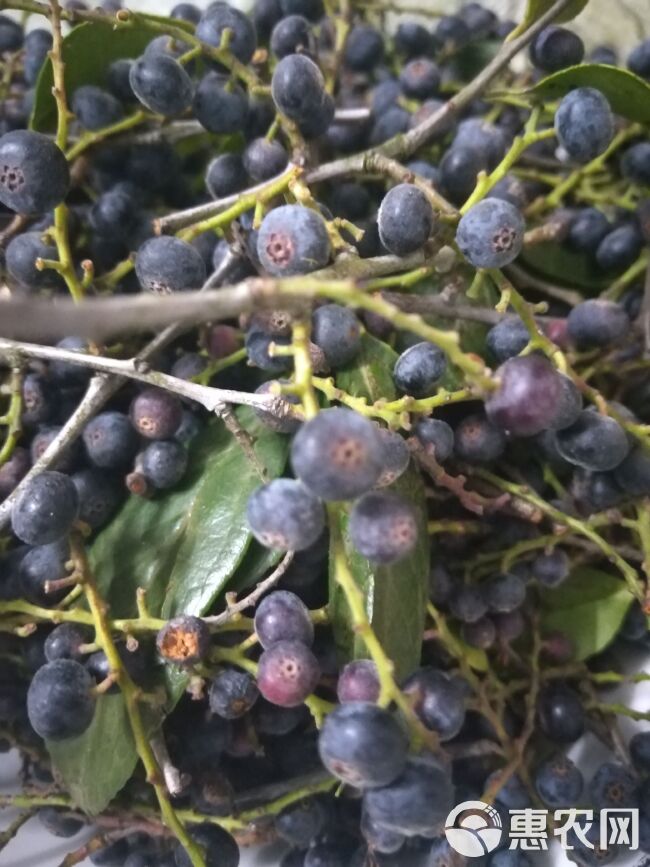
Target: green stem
(130, 692)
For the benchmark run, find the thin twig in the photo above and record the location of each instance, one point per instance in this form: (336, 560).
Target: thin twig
(235, 608)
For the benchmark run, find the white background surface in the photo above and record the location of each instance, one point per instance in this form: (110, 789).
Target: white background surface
(621, 22)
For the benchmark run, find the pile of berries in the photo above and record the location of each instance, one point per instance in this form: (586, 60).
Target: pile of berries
(430, 292)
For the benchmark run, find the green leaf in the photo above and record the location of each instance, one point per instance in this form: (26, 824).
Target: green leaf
(536, 8)
(256, 563)
(95, 766)
(184, 546)
(589, 608)
(628, 94)
(371, 373)
(395, 596)
(556, 264)
(87, 52)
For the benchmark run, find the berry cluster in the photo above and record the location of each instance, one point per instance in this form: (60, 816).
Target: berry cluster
(428, 291)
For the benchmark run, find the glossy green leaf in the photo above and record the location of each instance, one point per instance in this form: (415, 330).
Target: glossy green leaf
(87, 52)
(556, 264)
(95, 766)
(589, 608)
(371, 373)
(183, 547)
(628, 94)
(395, 596)
(536, 8)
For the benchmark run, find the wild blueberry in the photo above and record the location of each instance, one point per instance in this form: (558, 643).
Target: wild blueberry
(597, 322)
(337, 331)
(264, 159)
(420, 78)
(20, 259)
(64, 642)
(560, 712)
(59, 822)
(186, 12)
(584, 124)
(555, 48)
(287, 673)
(438, 700)
(528, 395)
(39, 400)
(167, 264)
(635, 164)
(293, 240)
(358, 681)
(364, 48)
(620, 248)
(225, 175)
(412, 39)
(390, 123)
(383, 527)
(95, 107)
(99, 497)
(117, 79)
(613, 787)
(569, 405)
(291, 35)
(184, 640)
(395, 458)
(219, 17)
(594, 442)
(639, 59)
(220, 847)
(38, 43)
(551, 569)
(60, 703)
(285, 514)
(155, 414)
(477, 440)
(34, 175)
(559, 782)
(46, 509)
(419, 368)
(232, 693)
(161, 84)
(459, 169)
(337, 454)
(11, 34)
(110, 440)
(491, 234)
(380, 839)
(633, 473)
(115, 214)
(283, 615)
(481, 634)
(507, 338)
(468, 603)
(416, 803)
(13, 470)
(405, 219)
(483, 137)
(41, 564)
(362, 745)
(298, 90)
(220, 106)
(301, 822)
(436, 436)
(505, 593)
(164, 463)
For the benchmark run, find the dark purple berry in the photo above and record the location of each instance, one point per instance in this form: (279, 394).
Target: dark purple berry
(283, 616)
(288, 673)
